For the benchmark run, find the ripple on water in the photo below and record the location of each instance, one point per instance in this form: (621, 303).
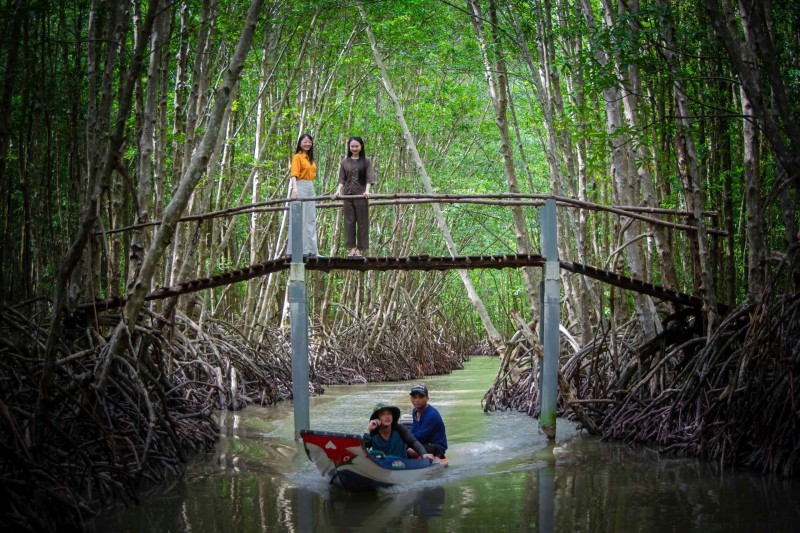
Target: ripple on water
(479, 442)
(503, 475)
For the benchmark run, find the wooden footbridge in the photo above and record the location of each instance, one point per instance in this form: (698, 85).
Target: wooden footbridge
(421, 262)
(550, 292)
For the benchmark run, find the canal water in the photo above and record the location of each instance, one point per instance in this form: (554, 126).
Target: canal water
(503, 475)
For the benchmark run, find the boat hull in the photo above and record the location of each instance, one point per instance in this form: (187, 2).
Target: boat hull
(343, 459)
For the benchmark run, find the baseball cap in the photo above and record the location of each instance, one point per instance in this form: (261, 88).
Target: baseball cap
(419, 389)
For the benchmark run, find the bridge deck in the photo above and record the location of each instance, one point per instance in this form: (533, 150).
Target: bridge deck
(423, 262)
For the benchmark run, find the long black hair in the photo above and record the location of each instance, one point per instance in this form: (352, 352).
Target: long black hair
(362, 161)
(300, 149)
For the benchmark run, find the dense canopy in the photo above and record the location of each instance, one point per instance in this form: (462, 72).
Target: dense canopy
(120, 118)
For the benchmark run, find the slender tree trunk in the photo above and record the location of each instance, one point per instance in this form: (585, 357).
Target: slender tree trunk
(756, 238)
(196, 245)
(116, 216)
(179, 124)
(582, 289)
(23, 164)
(393, 284)
(788, 183)
(100, 181)
(189, 179)
(726, 172)
(494, 336)
(755, 61)
(6, 92)
(261, 110)
(623, 177)
(201, 81)
(147, 144)
(643, 163)
(688, 167)
(571, 227)
(496, 77)
(179, 101)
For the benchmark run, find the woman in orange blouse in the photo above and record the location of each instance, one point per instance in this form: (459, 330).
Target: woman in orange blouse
(302, 174)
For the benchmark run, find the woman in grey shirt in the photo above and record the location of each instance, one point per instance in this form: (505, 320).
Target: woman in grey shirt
(356, 175)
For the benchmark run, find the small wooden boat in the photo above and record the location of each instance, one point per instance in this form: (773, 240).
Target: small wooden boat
(346, 462)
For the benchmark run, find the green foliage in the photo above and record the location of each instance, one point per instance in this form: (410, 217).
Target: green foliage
(433, 61)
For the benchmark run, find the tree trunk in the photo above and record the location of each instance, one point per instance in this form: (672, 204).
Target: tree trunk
(623, 178)
(147, 143)
(494, 336)
(102, 173)
(688, 168)
(201, 81)
(643, 163)
(756, 238)
(189, 179)
(201, 200)
(179, 101)
(756, 63)
(726, 171)
(6, 92)
(24, 180)
(118, 193)
(270, 43)
(571, 227)
(496, 77)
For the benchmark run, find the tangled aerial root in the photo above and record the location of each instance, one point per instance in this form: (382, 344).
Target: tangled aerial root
(733, 398)
(103, 443)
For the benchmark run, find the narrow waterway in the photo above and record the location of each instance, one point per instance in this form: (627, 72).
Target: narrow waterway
(502, 475)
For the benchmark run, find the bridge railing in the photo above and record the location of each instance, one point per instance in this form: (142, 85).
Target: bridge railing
(645, 214)
(550, 293)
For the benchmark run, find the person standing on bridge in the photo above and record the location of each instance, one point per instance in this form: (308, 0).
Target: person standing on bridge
(427, 424)
(301, 185)
(356, 175)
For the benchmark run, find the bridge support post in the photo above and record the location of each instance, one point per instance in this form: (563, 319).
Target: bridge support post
(546, 479)
(550, 320)
(298, 308)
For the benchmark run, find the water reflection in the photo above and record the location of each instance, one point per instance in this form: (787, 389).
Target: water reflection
(545, 478)
(381, 511)
(610, 487)
(502, 476)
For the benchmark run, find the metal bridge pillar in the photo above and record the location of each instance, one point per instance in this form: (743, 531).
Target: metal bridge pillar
(298, 308)
(550, 319)
(546, 479)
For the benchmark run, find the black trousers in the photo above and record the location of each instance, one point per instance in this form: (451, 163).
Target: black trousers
(356, 223)
(434, 450)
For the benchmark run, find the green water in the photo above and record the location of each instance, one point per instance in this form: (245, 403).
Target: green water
(502, 476)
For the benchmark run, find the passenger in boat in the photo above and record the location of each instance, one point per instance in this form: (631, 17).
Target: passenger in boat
(385, 435)
(427, 424)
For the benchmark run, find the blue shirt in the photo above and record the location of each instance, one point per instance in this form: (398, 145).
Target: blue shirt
(429, 429)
